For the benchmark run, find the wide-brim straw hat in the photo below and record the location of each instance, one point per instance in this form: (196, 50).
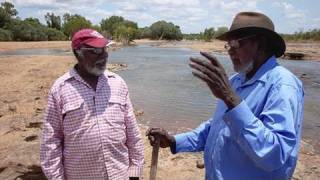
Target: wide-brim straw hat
(249, 23)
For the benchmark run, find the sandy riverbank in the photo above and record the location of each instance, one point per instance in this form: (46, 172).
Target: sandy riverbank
(25, 81)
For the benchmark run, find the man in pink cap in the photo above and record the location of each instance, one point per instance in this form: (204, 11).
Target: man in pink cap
(90, 130)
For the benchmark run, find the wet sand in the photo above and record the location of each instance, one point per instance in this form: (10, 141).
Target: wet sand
(25, 81)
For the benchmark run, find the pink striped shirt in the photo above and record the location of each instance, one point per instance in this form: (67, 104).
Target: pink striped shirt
(90, 134)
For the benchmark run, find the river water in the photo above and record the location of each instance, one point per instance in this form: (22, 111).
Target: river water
(160, 82)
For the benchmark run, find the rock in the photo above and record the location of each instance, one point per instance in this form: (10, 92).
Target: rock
(34, 125)
(39, 110)
(200, 164)
(292, 55)
(12, 108)
(139, 112)
(31, 138)
(36, 98)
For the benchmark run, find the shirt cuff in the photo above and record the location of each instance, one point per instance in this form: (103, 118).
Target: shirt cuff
(238, 118)
(173, 147)
(181, 143)
(135, 171)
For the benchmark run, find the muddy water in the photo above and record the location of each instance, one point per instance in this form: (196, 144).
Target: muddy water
(161, 83)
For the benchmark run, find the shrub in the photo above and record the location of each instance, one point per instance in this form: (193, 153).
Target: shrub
(5, 35)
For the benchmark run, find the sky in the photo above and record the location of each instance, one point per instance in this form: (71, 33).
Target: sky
(193, 16)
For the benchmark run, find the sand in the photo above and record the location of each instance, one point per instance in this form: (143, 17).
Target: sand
(25, 81)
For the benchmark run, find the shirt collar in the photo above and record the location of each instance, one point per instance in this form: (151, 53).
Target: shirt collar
(104, 77)
(260, 74)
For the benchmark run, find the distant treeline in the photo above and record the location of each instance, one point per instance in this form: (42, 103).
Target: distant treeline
(13, 28)
(313, 35)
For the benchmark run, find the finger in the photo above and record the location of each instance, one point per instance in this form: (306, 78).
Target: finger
(203, 77)
(151, 140)
(212, 59)
(151, 130)
(204, 63)
(212, 75)
(215, 72)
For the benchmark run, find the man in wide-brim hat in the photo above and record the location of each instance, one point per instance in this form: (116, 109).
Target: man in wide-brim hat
(256, 128)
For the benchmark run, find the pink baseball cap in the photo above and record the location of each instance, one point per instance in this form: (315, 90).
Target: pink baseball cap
(89, 37)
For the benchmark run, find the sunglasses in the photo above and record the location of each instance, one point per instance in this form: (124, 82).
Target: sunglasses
(236, 44)
(97, 51)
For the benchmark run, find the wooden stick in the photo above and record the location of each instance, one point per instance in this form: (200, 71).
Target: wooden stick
(154, 159)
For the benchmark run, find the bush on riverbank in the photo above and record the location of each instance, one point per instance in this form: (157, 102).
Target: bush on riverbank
(5, 35)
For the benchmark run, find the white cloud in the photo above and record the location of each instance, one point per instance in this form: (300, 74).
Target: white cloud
(190, 15)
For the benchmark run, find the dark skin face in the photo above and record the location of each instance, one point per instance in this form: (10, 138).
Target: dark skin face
(90, 59)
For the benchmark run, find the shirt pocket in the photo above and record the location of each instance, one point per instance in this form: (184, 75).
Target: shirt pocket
(74, 115)
(115, 119)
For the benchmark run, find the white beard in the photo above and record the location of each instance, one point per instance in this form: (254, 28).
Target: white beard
(95, 70)
(245, 69)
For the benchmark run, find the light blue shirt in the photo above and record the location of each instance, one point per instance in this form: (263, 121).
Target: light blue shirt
(259, 138)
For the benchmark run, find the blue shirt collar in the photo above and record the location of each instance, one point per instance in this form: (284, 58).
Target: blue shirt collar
(260, 74)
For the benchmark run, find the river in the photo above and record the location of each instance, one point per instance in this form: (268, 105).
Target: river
(160, 82)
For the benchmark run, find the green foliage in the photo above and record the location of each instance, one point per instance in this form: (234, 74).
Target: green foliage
(119, 28)
(301, 36)
(55, 35)
(53, 21)
(164, 30)
(73, 23)
(111, 23)
(24, 31)
(7, 12)
(220, 31)
(144, 33)
(30, 29)
(34, 22)
(125, 34)
(192, 36)
(5, 35)
(208, 34)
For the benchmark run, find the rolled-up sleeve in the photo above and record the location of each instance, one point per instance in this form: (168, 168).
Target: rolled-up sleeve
(52, 141)
(134, 141)
(269, 138)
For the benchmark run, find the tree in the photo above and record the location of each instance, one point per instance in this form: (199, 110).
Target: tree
(220, 31)
(55, 35)
(74, 23)
(208, 34)
(125, 34)
(119, 28)
(144, 33)
(53, 21)
(164, 30)
(26, 31)
(7, 12)
(33, 21)
(111, 23)
(5, 35)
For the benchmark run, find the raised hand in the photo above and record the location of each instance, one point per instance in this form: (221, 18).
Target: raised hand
(212, 72)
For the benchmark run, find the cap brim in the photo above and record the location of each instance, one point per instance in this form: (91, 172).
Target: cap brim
(97, 42)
